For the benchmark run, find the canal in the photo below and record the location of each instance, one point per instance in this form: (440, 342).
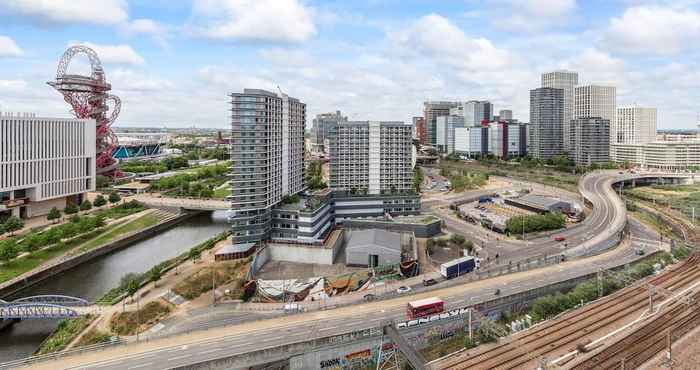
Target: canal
(92, 279)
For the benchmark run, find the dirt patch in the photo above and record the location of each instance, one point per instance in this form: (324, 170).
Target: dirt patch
(131, 322)
(229, 273)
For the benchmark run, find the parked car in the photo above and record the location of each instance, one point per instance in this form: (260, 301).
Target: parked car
(429, 282)
(369, 297)
(560, 238)
(639, 252)
(403, 290)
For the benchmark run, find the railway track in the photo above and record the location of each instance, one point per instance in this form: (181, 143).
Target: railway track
(570, 327)
(644, 343)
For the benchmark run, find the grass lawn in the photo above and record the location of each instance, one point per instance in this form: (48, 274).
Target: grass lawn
(222, 192)
(19, 266)
(121, 230)
(543, 175)
(94, 336)
(682, 198)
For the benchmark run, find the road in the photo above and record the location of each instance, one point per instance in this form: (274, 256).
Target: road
(195, 347)
(589, 237)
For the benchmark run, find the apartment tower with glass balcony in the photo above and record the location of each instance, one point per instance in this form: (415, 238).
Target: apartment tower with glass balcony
(267, 159)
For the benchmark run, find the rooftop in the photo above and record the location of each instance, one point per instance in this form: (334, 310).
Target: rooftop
(376, 237)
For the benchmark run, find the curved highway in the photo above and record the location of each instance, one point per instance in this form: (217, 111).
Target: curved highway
(605, 222)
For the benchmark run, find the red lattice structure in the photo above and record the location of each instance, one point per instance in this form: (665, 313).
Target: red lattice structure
(88, 97)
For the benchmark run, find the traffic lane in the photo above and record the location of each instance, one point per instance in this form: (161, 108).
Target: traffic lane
(233, 346)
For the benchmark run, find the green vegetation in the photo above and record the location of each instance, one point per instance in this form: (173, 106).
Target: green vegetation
(132, 281)
(418, 178)
(114, 197)
(11, 225)
(552, 305)
(71, 209)
(65, 333)
(131, 322)
(201, 282)
(454, 242)
(291, 199)
(99, 201)
(122, 210)
(119, 231)
(222, 192)
(535, 223)
(462, 180)
(682, 198)
(54, 214)
(199, 183)
(313, 177)
(85, 205)
(167, 164)
(93, 336)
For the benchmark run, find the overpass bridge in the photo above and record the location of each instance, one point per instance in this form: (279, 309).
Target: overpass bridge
(46, 307)
(188, 204)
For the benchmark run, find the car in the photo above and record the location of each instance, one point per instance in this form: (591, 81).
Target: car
(639, 252)
(369, 297)
(429, 282)
(560, 238)
(403, 290)
(620, 173)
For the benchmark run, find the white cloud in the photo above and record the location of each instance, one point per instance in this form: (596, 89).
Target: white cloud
(114, 54)
(654, 30)
(8, 47)
(12, 85)
(254, 20)
(108, 12)
(130, 81)
(434, 36)
(142, 26)
(532, 15)
(597, 67)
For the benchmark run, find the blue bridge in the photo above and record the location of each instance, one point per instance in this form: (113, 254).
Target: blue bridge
(46, 307)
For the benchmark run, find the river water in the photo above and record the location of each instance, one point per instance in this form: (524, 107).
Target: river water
(94, 278)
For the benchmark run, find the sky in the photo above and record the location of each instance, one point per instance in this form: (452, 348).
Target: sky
(173, 62)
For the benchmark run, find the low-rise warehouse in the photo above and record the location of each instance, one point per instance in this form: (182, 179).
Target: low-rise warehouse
(539, 204)
(373, 248)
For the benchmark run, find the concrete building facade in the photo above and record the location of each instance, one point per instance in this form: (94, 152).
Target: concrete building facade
(507, 139)
(475, 112)
(567, 81)
(267, 159)
(634, 125)
(44, 163)
(662, 155)
(471, 141)
(545, 131)
(505, 114)
(445, 131)
(591, 141)
(371, 157)
(432, 110)
(420, 132)
(596, 101)
(320, 130)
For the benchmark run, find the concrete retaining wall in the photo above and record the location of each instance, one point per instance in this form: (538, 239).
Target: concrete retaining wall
(14, 286)
(302, 254)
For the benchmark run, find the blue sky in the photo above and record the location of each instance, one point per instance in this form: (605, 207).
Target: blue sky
(172, 62)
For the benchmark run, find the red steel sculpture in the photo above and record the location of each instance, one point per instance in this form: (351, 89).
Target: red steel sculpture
(88, 97)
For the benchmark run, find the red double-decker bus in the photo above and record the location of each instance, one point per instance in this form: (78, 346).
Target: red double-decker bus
(424, 307)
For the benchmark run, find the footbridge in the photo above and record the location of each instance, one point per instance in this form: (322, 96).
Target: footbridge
(189, 204)
(46, 307)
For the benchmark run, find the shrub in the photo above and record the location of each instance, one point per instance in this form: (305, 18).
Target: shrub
(114, 197)
(99, 201)
(70, 209)
(85, 205)
(54, 214)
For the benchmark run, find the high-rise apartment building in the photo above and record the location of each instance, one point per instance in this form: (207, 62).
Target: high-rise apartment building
(567, 81)
(545, 135)
(505, 114)
(634, 125)
(445, 132)
(432, 110)
(475, 112)
(419, 130)
(44, 163)
(267, 158)
(595, 101)
(590, 137)
(371, 157)
(507, 139)
(320, 128)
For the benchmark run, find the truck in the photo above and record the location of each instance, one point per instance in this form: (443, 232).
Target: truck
(458, 267)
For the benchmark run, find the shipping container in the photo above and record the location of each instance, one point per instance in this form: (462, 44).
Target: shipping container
(458, 267)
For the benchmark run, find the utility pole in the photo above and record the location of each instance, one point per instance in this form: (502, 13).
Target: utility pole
(213, 287)
(138, 319)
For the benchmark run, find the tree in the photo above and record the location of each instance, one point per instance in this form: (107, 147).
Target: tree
(54, 214)
(99, 201)
(114, 197)
(101, 181)
(418, 178)
(132, 287)
(13, 224)
(195, 254)
(8, 250)
(70, 209)
(85, 205)
(155, 274)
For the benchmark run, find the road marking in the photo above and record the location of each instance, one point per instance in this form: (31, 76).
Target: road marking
(179, 357)
(142, 365)
(211, 350)
(328, 328)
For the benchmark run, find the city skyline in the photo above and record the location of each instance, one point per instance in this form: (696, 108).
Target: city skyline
(184, 59)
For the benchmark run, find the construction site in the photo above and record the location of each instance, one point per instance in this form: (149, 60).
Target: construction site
(621, 331)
